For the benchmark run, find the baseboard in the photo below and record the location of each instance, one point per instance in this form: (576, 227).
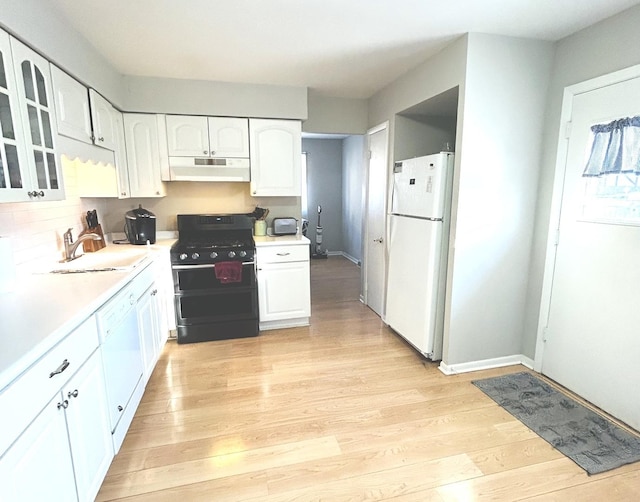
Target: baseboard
(485, 364)
(284, 323)
(346, 255)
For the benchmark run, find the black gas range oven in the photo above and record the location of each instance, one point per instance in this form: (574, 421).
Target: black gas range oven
(214, 277)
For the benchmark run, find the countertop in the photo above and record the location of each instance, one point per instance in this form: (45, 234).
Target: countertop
(278, 240)
(43, 308)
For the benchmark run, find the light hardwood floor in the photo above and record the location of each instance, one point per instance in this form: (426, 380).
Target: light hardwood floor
(342, 410)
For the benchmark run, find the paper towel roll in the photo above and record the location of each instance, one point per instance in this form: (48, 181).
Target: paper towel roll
(7, 266)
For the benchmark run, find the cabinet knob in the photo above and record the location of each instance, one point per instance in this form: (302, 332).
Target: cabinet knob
(120, 408)
(73, 393)
(63, 405)
(101, 139)
(213, 152)
(205, 152)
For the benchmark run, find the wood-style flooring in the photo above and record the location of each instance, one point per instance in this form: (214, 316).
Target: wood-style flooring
(342, 410)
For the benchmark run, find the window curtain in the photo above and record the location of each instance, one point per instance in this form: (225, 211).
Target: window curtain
(615, 148)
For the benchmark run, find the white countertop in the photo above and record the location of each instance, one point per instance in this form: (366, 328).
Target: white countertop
(43, 308)
(278, 240)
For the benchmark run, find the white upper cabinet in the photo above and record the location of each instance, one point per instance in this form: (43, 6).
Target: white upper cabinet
(122, 169)
(195, 136)
(276, 149)
(72, 106)
(102, 117)
(143, 155)
(38, 116)
(14, 177)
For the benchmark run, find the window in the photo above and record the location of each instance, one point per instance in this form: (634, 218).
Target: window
(611, 178)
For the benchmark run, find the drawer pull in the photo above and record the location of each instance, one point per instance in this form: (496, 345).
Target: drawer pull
(64, 404)
(59, 369)
(72, 394)
(283, 254)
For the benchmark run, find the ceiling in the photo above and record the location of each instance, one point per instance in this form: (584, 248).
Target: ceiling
(341, 48)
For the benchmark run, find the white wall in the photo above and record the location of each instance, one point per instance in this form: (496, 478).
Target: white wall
(495, 189)
(610, 45)
(353, 165)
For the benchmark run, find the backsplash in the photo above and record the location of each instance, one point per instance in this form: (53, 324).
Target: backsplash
(36, 228)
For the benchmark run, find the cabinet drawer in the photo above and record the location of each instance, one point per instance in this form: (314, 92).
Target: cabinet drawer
(281, 254)
(28, 394)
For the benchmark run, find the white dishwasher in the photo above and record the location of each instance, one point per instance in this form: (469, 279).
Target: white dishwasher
(122, 360)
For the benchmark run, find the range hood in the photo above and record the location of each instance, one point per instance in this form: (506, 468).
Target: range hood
(209, 169)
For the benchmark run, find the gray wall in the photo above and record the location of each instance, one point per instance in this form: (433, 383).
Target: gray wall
(494, 184)
(608, 46)
(417, 137)
(498, 150)
(336, 115)
(324, 187)
(353, 195)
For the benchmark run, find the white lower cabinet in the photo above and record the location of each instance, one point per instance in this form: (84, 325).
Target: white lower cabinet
(38, 466)
(149, 327)
(284, 294)
(66, 451)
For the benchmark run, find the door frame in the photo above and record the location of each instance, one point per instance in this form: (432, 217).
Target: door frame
(569, 94)
(365, 220)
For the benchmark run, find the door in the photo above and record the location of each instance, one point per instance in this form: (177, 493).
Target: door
(88, 426)
(102, 117)
(38, 466)
(374, 252)
(276, 151)
(413, 286)
(187, 136)
(591, 344)
(72, 106)
(143, 155)
(229, 137)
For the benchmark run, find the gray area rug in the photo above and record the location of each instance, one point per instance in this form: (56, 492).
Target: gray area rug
(590, 440)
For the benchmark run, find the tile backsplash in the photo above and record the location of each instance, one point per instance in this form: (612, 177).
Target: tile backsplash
(35, 229)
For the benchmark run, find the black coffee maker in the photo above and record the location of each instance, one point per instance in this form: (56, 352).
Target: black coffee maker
(140, 226)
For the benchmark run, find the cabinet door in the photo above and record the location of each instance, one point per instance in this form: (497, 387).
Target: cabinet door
(38, 466)
(148, 326)
(229, 137)
(72, 106)
(187, 136)
(39, 121)
(102, 118)
(284, 291)
(276, 149)
(14, 178)
(88, 425)
(143, 157)
(122, 169)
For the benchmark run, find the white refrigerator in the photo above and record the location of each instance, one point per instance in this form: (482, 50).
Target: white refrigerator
(418, 237)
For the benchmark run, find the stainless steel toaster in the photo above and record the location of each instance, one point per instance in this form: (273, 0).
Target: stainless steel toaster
(285, 226)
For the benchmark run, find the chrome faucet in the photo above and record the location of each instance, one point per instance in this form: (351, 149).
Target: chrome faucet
(70, 247)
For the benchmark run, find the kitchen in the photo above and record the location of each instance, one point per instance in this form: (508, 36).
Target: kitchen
(505, 328)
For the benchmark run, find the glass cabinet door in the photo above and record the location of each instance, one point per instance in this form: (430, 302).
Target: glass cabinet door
(13, 164)
(38, 115)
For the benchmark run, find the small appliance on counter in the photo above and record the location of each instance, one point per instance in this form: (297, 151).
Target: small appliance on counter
(285, 226)
(140, 226)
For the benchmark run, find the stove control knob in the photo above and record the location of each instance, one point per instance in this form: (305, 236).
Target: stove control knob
(214, 254)
(242, 254)
(195, 256)
(231, 254)
(183, 256)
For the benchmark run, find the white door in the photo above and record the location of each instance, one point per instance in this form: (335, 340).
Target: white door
(187, 136)
(229, 137)
(374, 252)
(591, 344)
(102, 114)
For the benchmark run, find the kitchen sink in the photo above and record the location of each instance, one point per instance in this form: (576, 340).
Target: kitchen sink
(100, 261)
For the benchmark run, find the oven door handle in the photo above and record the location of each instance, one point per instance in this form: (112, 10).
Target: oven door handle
(206, 265)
